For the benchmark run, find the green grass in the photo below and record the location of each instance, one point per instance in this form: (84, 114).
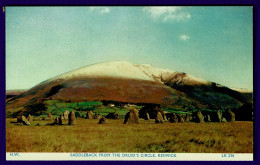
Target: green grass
(51, 102)
(57, 107)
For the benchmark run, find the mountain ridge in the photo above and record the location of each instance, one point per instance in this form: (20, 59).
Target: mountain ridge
(136, 83)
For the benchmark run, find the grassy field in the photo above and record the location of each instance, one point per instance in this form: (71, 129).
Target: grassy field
(88, 136)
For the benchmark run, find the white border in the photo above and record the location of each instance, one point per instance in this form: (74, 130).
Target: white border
(131, 156)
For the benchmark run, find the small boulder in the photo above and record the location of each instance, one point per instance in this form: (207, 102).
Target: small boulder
(103, 120)
(223, 120)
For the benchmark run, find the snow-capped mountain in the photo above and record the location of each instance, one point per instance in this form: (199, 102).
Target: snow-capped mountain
(122, 81)
(124, 69)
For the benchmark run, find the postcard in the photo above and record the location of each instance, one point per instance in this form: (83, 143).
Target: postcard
(129, 83)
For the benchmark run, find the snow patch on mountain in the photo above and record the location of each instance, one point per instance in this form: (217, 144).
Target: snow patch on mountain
(118, 69)
(124, 69)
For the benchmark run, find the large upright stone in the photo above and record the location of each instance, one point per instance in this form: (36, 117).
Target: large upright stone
(199, 117)
(132, 117)
(72, 118)
(207, 118)
(219, 115)
(173, 118)
(147, 116)
(159, 118)
(180, 118)
(66, 114)
(29, 118)
(89, 115)
(158, 109)
(231, 116)
(56, 121)
(25, 121)
(187, 118)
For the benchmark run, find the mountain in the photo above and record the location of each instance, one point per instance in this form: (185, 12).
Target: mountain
(13, 93)
(122, 81)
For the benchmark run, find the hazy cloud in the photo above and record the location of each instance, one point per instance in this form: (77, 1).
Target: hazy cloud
(184, 37)
(167, 13)
(101, 10)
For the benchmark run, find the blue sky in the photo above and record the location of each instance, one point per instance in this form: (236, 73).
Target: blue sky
(213, 43)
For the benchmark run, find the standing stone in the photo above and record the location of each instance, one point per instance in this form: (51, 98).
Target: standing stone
(207, 118)
(66, 114)
(180, 119)
(147, 117)
(173, 118)
(56, 121)
(199, 117)
(25, 121)
(62, 117)
(219, 115)
(72, 118)
(187, 118)
(159, 118)
(231, 116)
(103, 120)
(29, 118)
(163, 115)
(131, 117)
(158, 109)
(49, 115)
(89, 115)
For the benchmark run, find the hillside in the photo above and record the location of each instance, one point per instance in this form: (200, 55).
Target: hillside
(13, 93)
(122, 81)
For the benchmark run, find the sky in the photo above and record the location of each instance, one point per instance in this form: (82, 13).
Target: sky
(212, 43)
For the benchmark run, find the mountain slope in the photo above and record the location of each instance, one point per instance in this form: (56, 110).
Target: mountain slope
(125, 82)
